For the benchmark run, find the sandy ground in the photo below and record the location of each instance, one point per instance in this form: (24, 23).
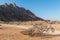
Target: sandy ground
(13, 32)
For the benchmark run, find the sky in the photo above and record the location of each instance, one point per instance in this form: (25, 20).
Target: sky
(46, 9)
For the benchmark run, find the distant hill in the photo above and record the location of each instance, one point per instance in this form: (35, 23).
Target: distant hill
(11, 12)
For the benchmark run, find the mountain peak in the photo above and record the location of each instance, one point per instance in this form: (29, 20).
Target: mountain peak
(13, 4)
(8, 12)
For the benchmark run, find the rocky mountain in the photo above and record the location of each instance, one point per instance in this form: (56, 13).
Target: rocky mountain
(11, 12)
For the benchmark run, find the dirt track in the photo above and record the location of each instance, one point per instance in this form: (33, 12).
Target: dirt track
(12, 32)
(56, 33)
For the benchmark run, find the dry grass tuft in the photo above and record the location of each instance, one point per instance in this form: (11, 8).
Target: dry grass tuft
(37, 30)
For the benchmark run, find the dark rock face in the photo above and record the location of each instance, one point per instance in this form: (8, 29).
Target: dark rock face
(11, 12)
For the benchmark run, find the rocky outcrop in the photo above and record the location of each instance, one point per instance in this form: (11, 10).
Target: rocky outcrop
(11, 12)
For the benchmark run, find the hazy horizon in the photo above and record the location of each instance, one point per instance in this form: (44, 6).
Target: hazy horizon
(46, 9)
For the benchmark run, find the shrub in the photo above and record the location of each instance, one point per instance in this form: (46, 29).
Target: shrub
(37, 30)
